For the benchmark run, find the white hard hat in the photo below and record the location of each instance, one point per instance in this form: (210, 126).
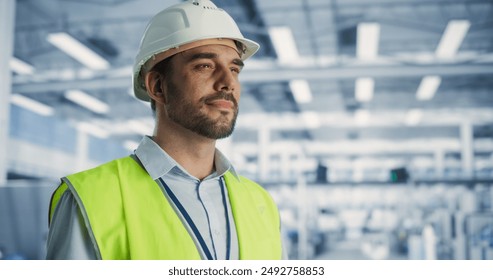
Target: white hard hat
(182, 24)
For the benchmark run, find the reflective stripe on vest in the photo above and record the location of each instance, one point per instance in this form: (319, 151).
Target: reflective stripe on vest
(129, 217)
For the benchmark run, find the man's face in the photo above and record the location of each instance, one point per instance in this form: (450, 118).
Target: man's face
(203, 92)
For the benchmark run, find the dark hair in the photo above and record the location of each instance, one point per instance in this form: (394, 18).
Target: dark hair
(164, 69)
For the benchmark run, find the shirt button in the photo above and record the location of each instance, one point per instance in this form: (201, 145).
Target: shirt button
(216, 232)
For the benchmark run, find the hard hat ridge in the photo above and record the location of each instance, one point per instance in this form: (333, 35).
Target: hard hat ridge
(170, 31)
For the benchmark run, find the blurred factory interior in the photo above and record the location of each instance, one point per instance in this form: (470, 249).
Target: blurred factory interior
(369, 122)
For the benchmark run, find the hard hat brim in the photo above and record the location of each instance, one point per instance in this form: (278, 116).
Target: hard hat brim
(140, 91)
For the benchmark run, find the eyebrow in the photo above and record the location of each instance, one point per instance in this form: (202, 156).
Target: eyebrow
(206, 55)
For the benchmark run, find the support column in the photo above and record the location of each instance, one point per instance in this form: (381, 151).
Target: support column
(263, 153)
(7, 22)
(491, 200)
(303, 249)
(285, 165)
(439, 163)
(467, 150)
(429, 242)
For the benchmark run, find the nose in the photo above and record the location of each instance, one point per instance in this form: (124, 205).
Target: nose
(226, 80)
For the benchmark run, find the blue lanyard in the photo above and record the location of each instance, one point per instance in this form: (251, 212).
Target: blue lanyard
(228, 226)
(192, 225)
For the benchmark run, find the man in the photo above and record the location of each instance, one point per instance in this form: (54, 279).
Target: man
(177, 197)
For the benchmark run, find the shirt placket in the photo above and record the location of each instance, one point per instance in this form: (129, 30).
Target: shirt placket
(207, 191)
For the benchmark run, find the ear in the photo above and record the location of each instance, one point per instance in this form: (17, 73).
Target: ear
(153, 82)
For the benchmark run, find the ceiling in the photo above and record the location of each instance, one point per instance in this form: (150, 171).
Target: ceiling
(325, 34)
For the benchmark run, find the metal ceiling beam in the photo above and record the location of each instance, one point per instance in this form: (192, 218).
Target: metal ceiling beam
(419, 146)
(82, 84)
(406, 2)
(274, 74)
(286, 6)
(353, 72)
(379, 120)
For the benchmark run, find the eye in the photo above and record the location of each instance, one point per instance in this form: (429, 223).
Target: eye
(236, 70)
(204, 66)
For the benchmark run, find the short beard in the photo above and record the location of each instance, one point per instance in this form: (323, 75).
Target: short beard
(188, 115)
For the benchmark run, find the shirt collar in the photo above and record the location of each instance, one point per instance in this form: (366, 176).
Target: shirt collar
(158, 163)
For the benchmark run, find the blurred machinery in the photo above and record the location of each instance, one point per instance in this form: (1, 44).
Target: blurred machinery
(387, 221)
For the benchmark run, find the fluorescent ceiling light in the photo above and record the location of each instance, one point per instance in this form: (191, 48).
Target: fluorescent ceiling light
(311, 119)
(284, 43)
(31, 105)
(78, 51)
(368, 35)
(130, 145)
(362, 116)
(139, 127)
(428, 87)
(92, 129)
(21, 67)
(364, 89)
(87, 101)
(301, 91)
(413, 117)
(452, 38)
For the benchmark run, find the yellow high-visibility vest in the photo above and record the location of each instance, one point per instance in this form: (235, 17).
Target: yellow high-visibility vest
(129, 217)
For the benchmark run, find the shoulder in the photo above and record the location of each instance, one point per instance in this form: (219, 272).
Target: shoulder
(116, 163)
(250, 183)
(254, 188)
(106, 170)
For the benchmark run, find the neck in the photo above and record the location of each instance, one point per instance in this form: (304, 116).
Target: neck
(193, 152)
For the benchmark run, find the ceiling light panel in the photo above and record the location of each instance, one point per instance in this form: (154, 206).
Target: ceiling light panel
(93, 130)
(87, 101)
(301, 91)
(130, 145)
(452, 38)
(428, 87)
(364, 88)
(140, 127)
(31, 105)
(413, 117)
(311, 120)
(283, 40)
(78, 51)
(368, 36)
(21, 67)
(362, 117)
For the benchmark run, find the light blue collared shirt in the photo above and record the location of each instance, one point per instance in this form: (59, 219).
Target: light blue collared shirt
(202, 199)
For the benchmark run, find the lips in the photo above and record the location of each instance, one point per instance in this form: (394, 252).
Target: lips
(221, 103)
(221, 100)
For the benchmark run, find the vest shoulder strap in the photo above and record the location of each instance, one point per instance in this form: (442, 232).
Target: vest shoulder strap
(129, 214)
(256, 218)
